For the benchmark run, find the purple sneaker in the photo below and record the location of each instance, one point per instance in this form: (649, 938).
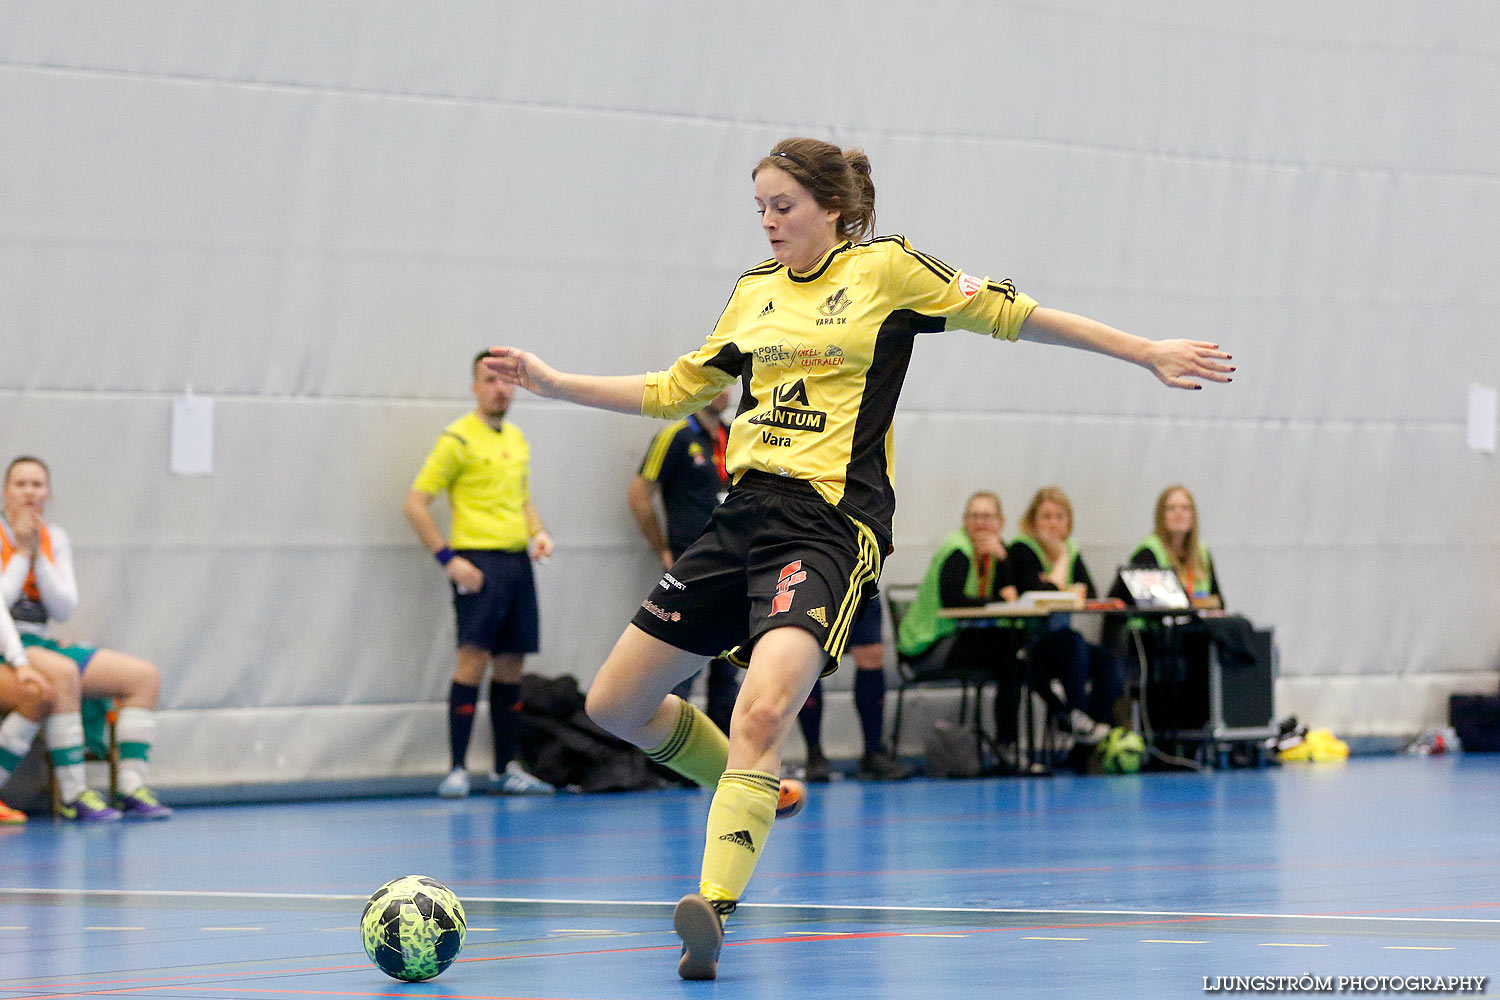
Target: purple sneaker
(142, 804)
(89, 807)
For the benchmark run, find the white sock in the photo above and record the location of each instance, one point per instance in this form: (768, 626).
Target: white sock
(136, 731)
(65, 741)
(16, 734)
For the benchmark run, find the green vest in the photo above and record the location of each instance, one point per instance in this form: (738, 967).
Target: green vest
(1158, 549)
(1041, 554)
(921, 627)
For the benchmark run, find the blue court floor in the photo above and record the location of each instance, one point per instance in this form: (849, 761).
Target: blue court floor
(1159, 885)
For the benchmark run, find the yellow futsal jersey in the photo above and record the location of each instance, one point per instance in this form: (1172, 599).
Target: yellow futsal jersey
(821, 358)
(486, 474)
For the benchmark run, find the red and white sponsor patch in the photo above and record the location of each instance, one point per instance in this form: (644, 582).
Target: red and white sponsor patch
(786, 585)
(969, 285)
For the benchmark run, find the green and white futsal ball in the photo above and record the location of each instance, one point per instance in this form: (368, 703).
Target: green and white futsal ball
(1120, 752)
(413, 928)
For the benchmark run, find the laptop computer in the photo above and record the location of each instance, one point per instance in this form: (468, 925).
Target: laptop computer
(1154, 588)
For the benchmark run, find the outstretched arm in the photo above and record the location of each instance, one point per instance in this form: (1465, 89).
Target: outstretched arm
(621, 393)
(1175, 362)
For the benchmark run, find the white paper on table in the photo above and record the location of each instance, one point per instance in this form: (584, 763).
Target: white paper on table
(192, 435)
(1482, 409)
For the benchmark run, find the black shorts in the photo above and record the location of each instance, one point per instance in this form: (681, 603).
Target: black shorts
(774, 553)
(501, 617)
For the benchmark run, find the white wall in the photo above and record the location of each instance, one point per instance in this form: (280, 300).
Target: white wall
(315, 212)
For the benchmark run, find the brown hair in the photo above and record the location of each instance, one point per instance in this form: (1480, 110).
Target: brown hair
(23, 459)
(838, 179)
(1192, 563)
(1044, 495)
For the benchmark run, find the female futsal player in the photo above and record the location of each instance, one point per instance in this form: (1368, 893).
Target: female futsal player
(819, 337)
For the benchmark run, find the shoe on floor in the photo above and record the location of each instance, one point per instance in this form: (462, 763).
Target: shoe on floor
(515, 780)
(142, 804)
(89, 807)
(881, 766)
(792, 798)
(456, 785)
(11, 817)
(700, 924)
(1082, 725)
(817, 770)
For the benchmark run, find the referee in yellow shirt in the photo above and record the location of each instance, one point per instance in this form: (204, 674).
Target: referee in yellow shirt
(482, 462)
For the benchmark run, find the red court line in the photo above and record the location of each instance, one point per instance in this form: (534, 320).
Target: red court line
(115, 987)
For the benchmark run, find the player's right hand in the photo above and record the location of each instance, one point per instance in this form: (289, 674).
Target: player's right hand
(468, 578)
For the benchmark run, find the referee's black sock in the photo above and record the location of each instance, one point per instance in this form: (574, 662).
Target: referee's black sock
(461, 701)
(505, 720)
(810, 718)
(869, 701)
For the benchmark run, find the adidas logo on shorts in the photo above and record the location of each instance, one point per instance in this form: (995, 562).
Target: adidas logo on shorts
(819, 615)
(742, 838)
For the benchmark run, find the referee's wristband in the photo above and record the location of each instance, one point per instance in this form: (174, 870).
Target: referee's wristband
(443, 555)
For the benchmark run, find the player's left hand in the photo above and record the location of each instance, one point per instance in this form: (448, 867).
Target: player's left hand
(1178, 362)
(524, 369)
(541, 546)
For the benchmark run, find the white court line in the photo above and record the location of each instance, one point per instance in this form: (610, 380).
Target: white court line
(1290, 944)
(832, 908)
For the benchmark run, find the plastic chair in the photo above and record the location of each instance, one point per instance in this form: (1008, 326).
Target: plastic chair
(930, 669)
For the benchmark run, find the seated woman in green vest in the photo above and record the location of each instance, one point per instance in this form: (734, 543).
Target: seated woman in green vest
(969, 569)
(1176, 545)
(1045, 557)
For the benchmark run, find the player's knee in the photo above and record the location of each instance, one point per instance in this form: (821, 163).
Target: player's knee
(147, 684)
(759, 722)
(35, 703)
(605, 709)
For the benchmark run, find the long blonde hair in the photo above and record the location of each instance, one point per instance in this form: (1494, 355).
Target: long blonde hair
(1193, 564)
(1043, 495)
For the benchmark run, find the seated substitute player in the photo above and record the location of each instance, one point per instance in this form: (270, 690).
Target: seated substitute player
(877, 763)
(26, 699)
(795, 550)
(483, 463)
(38, 585)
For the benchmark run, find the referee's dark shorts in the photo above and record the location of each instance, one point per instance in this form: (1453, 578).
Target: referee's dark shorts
(501, 616)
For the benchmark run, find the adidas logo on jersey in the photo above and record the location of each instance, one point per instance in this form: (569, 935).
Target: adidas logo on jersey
(742, 838)
(768, 310)
(819, 615)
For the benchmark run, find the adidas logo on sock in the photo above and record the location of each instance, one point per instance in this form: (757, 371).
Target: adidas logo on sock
(768, 310)
(742, 838)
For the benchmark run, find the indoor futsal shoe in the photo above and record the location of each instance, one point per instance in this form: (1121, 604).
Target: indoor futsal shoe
(792, 798)
(456, 785)
(89, 807)
(700, 924)
(142, 804)
(516, 780)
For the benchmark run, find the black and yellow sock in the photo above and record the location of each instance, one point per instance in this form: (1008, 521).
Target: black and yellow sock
(697, 749)
(739, 821)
